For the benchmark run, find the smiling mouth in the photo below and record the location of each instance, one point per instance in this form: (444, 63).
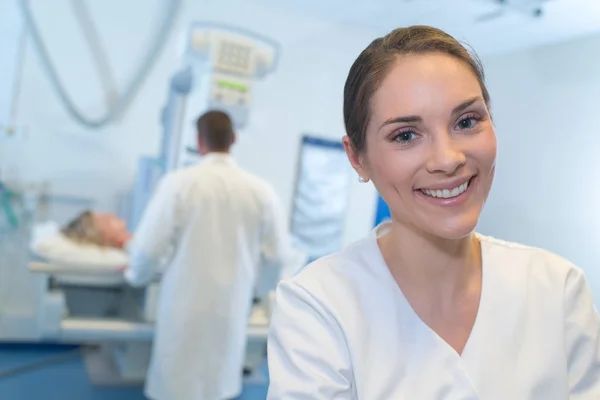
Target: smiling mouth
(447, 193)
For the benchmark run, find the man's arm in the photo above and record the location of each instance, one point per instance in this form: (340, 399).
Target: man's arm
(275, 238)
(274, 246)
(155, 233)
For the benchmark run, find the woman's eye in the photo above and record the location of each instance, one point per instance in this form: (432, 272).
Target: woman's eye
(403, 137)
(467, 123)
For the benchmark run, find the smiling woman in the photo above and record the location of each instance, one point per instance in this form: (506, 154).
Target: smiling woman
(428, 135)
(424, 308)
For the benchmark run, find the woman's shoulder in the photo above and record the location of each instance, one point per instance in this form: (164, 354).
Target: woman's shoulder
(509, 255)
(342, 273)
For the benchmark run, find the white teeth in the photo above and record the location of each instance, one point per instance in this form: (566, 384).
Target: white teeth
(446, 193)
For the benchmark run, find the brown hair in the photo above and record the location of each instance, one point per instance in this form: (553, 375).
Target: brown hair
(373, 63)
(83, 229)
(216, 129)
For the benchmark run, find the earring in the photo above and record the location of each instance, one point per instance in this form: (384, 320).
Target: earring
(361, 179)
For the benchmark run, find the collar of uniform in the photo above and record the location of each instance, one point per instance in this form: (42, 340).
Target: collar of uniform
(217, 157)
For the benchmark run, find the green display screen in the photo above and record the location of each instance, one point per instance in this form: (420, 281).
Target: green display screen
(240, 87)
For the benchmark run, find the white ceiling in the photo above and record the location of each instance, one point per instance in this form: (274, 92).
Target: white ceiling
(514, 29)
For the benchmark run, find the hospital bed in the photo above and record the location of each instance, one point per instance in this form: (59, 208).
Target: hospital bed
(91, 305)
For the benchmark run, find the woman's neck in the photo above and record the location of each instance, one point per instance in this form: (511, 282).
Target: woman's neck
(441, 268)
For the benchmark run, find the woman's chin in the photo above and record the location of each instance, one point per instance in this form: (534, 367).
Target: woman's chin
(454, 228)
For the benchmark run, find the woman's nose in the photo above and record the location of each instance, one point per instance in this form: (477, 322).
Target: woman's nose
(445, 155)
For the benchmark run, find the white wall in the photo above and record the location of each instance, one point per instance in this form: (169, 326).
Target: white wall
(305, 95)
(547, 114)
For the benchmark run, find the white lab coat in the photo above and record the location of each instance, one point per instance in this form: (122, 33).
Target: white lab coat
(217, 225)
(342, 329)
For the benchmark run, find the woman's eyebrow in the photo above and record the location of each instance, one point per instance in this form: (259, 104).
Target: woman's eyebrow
(406, 119)
(415, 118)
(465, 104)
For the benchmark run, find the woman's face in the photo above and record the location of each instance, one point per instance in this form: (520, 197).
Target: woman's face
(430, 145)
(113, 229)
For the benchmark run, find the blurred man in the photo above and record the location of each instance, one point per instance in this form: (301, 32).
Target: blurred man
(219, 225)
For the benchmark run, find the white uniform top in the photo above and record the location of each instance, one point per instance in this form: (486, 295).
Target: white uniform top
(221, 225)
(342, 329)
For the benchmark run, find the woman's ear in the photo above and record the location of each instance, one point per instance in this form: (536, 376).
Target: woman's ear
(356, 159)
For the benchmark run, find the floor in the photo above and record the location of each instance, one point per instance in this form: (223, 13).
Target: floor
(64, 376)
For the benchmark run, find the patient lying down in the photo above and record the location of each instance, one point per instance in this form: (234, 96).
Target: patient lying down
(100, 229)
(90, 240)
(88, 258)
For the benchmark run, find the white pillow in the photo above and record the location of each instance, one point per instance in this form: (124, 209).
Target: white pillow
(48, 242)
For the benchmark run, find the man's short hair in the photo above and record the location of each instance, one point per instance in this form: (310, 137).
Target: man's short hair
(216, 129)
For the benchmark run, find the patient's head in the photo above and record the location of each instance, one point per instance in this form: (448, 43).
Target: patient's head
(97, 228)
